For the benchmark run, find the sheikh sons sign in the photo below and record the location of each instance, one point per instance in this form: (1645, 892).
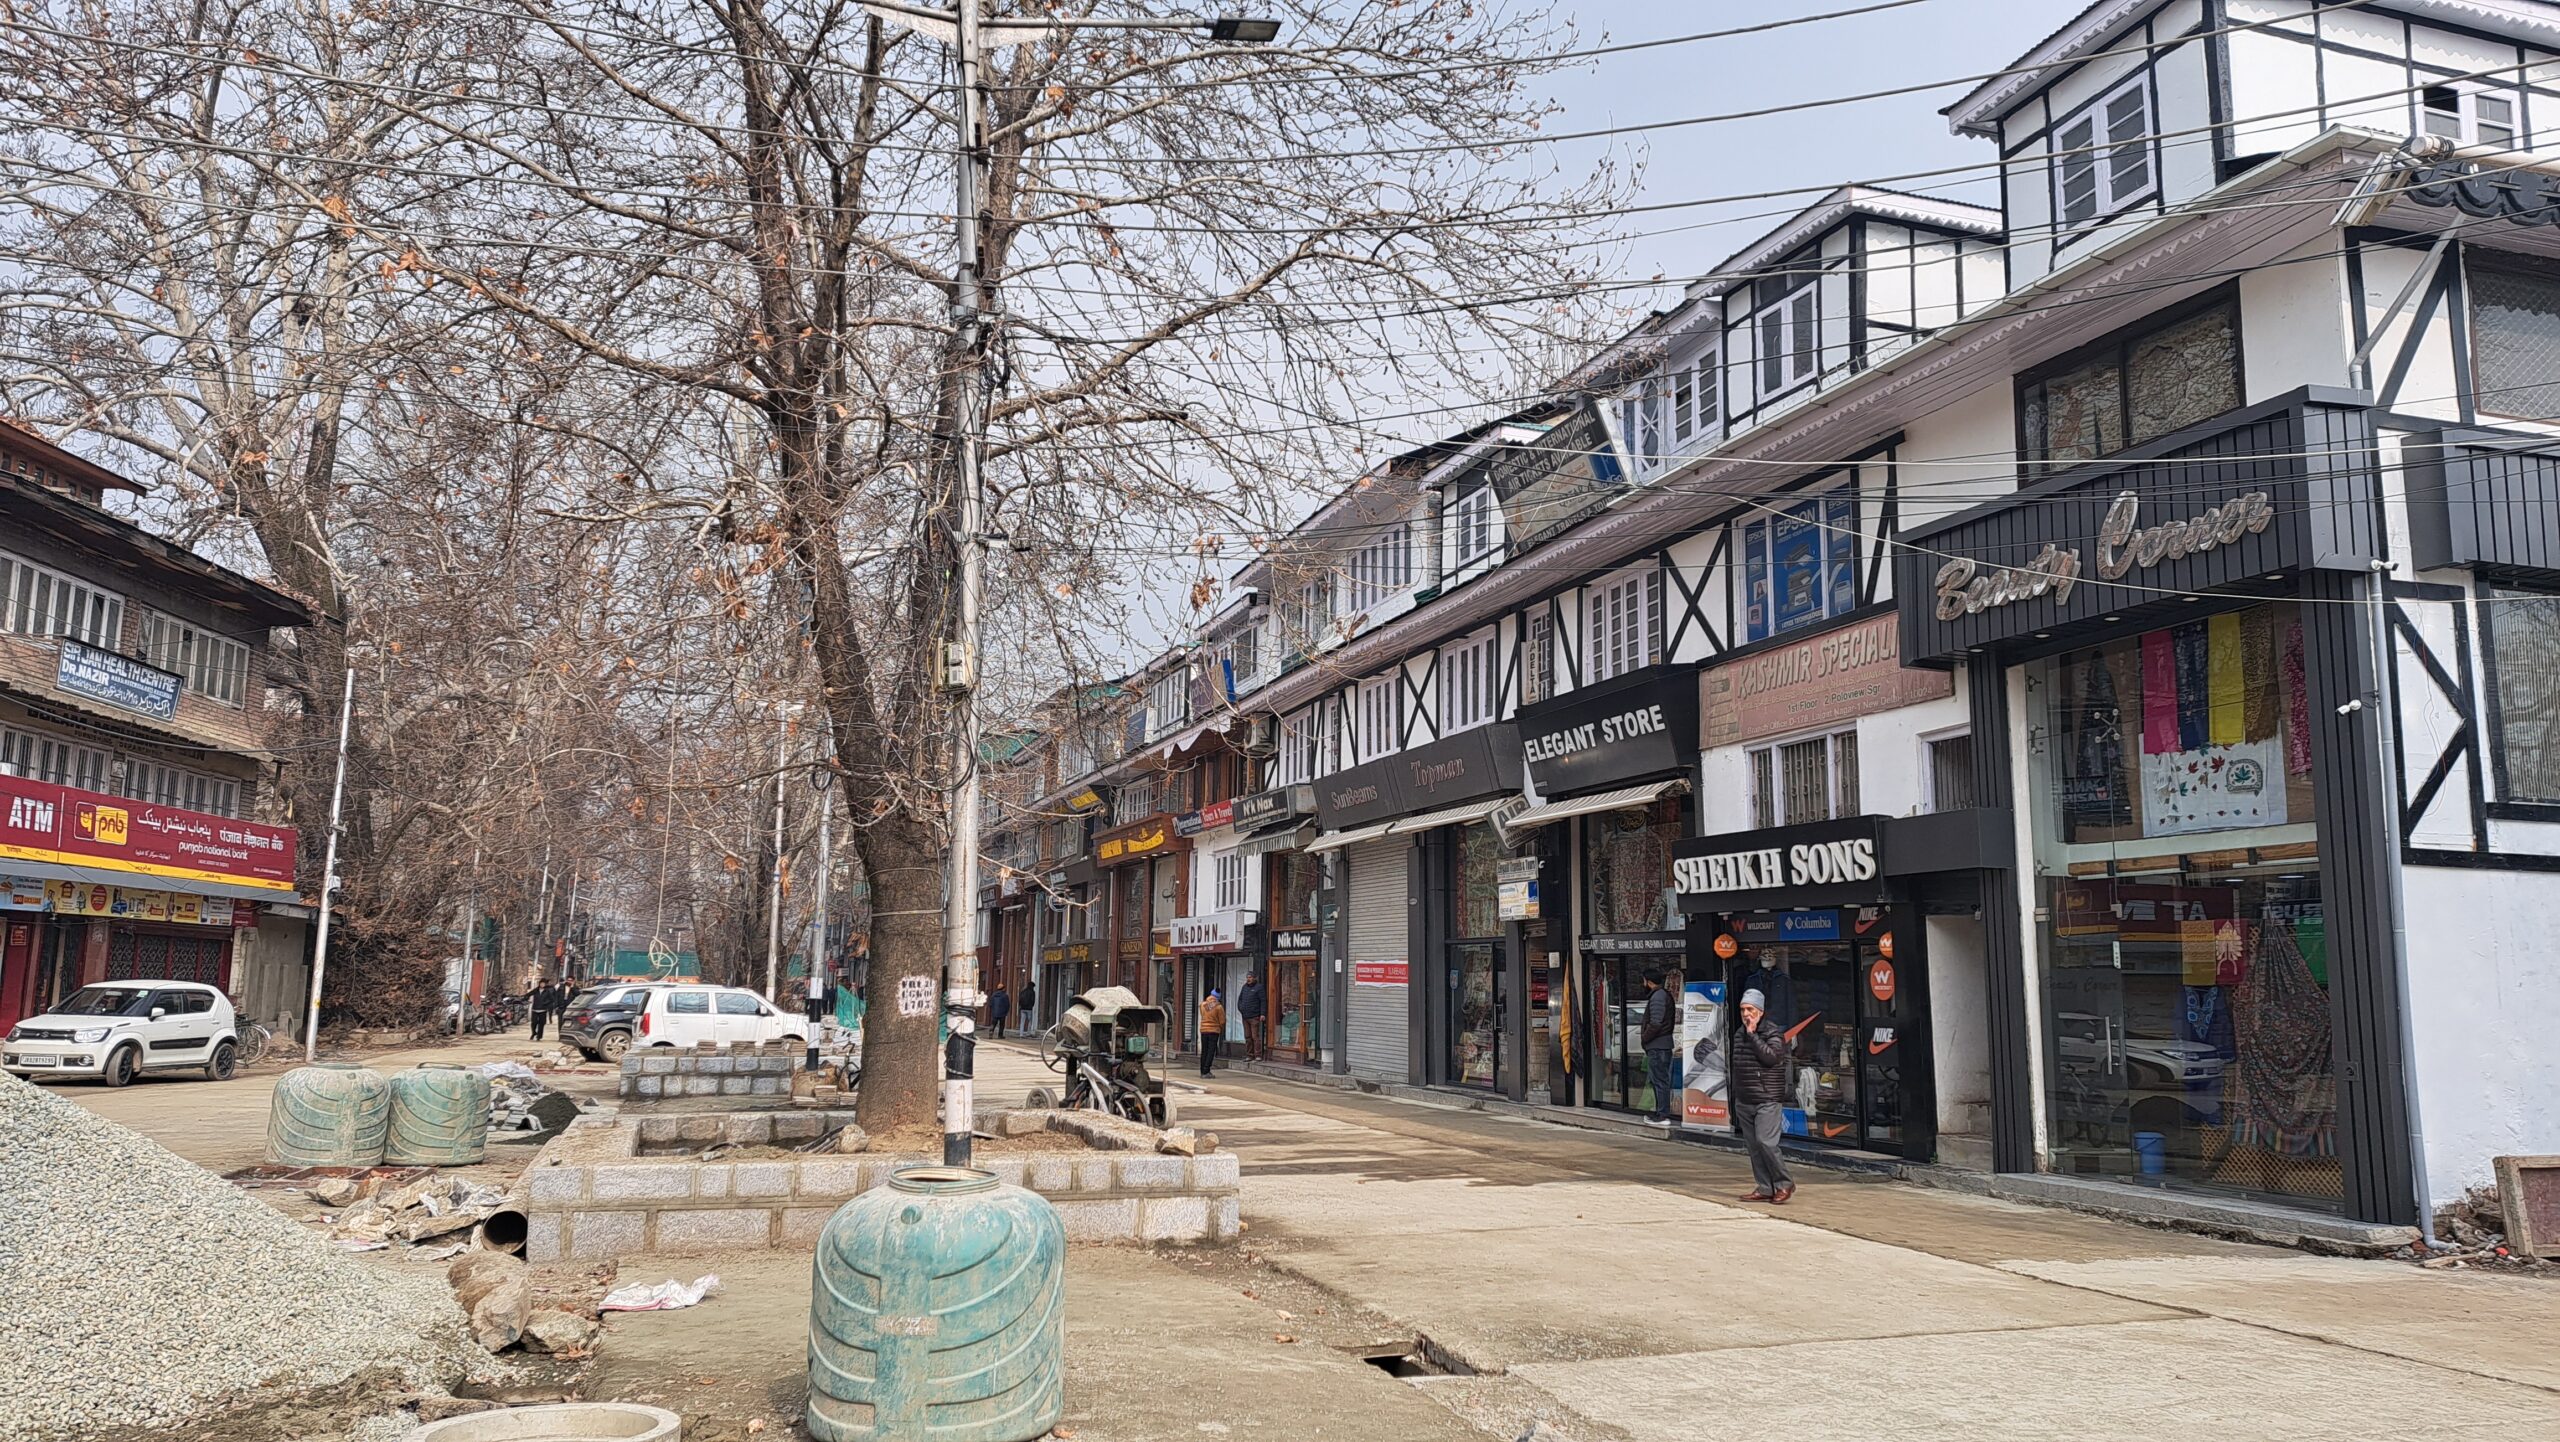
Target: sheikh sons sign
(1825, 863)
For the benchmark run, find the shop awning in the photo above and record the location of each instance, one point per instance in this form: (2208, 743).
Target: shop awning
(1625, 798)
(1336, 840)
(1454, 816)
(1294, 838)
(139, 881)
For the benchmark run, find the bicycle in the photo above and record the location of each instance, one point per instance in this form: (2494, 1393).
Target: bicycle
(251, 1041)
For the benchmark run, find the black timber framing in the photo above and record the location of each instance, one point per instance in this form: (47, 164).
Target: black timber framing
(2354, 810)
(2013, 1132)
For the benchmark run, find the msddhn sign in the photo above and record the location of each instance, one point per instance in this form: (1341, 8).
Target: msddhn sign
(1823, 864)
(1642, 725)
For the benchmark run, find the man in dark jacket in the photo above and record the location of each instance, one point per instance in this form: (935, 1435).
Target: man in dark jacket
(1660, 1034)
(1760, 1098)
(1249, 1007)
(544, 1002)
(999, 1007)
(1027, 1006)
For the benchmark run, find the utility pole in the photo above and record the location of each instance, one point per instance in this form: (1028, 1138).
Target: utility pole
(824, 780)
(966, 32)
(773, 921)
(329, 870)
(960, 655)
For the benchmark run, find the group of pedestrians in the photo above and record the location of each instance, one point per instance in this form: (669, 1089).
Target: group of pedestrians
(1250, 1008)
(1003, 1007)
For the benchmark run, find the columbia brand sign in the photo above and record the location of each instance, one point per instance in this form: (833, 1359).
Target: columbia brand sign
(1806, 863)
(2124, 545)
(1591, 735)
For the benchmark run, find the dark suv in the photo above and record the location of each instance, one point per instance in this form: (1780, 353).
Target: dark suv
(601, 1020)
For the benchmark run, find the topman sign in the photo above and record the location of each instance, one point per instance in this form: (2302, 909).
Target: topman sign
(2124, 546)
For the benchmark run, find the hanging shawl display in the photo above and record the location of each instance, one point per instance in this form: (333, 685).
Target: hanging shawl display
(2285, 1098)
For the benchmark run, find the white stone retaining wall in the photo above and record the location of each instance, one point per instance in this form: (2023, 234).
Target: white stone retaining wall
(657, 1073)
(590, 1196)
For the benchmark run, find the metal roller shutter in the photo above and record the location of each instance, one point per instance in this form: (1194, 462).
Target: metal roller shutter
(1375, 1025)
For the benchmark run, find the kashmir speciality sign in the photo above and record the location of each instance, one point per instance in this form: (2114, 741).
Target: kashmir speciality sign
(2123, 547)
(1837, 676)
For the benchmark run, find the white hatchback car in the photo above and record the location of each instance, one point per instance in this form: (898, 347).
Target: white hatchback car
(722, 1015)
(115, 1031)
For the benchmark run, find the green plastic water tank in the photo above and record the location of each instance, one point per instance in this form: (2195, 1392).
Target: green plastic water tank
(330, 1115)
(439, 1118)
(938, 1309)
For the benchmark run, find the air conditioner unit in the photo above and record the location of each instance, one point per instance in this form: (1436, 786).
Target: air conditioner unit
(1258, 738)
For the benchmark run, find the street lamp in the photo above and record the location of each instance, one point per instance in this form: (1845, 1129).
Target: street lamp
(969, 34)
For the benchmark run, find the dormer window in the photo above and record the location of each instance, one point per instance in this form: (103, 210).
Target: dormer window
(1694, 400)
(1642, 425)
(2469, 115)
(1789, 332)
(1471, 524)
(2102, 159)
(1382, 568)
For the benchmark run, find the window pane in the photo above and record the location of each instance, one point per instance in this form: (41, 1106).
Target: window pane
(2185, 373)
(1844, 773)
(2077, 170)
(1773, 375)
(1805, 770)
(2129, 163)
(2524, 629)
(1951, 773)
(2082, 413)
(1764, 788)
(2516, 321)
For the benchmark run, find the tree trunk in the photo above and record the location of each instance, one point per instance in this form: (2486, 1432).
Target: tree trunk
(901, 1020)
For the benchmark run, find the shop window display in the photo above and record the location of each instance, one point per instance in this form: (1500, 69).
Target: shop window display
(1475, 959)
(2187, 1020)
(1627, 860)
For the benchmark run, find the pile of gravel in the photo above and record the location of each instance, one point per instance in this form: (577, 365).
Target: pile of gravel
(138, 1289)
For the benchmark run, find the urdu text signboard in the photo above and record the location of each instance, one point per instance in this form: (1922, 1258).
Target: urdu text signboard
(119, 681)
(47, 823)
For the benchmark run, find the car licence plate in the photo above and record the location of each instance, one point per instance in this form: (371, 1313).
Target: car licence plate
(36, 1061)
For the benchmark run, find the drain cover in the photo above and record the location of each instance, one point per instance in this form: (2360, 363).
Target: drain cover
(564, 1422)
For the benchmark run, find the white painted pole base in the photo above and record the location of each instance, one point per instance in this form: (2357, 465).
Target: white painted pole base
(959, 1116)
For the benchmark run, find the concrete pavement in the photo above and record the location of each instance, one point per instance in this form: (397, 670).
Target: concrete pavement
(1619, 1279)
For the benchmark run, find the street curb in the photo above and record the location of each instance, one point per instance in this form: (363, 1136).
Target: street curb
(2205, 1216)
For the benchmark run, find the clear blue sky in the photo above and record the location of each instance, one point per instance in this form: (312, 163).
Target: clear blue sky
(1928, 41)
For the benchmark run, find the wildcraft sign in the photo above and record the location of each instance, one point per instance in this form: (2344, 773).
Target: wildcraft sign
(1964, 588)
(119, 681)
(1834, 857)
(1840, 675)
(43, 822)
(1609, 734)
(1066, 952)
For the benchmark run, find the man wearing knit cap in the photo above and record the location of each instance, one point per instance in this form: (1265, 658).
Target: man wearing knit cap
(1760, 1098)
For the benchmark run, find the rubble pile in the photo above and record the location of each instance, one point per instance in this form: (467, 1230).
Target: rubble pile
(375, 1217)
(138, 1289)
(2471, 1232)
(519, 1102)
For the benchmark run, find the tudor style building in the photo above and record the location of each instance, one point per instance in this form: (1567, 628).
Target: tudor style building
(2083, 662)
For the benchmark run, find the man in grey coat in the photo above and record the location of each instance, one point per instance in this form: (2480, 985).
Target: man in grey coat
(1760, 1098)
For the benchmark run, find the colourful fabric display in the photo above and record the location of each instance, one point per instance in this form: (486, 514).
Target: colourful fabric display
(2297, 705)
(2226, 685)
(2159, 695)
(2258, 673)
(2187, 644)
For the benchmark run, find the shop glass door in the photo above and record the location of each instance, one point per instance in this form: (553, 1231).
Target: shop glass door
(1292, 1005)
(1618, 1074)
(1476, 1007)
(1842, 1007)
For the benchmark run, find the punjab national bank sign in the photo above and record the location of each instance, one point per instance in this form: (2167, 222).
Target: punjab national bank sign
(42, 822)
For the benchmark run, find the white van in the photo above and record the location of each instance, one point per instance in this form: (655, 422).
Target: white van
(722, 1015)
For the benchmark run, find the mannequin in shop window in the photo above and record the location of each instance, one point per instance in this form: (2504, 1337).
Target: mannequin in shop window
(1773, 985)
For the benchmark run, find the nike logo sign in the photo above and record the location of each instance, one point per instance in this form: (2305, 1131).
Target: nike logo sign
(1830, 1130)
(1878, 1048)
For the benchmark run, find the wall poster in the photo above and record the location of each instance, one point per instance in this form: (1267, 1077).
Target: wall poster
(1703, 1102)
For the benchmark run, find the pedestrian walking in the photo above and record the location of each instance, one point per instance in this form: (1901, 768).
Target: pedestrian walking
(1760, 1099)
(1250, 1004)
(1213, 1029)
(1029, 1006)
(999, 1007)
(1659, 1035)
(545, 1000)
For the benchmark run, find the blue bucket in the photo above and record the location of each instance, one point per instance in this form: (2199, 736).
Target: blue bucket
(2151, 1152)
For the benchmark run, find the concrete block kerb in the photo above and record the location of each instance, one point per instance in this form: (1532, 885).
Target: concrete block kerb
(608, 1187)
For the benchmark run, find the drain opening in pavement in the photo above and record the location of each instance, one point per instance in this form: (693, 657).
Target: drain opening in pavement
(1417, 1360)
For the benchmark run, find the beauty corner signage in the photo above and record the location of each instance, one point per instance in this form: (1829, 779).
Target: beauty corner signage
(1965, 588)
(1610, 734)
(118, 681)
(1835, 676)
(1820, 863)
